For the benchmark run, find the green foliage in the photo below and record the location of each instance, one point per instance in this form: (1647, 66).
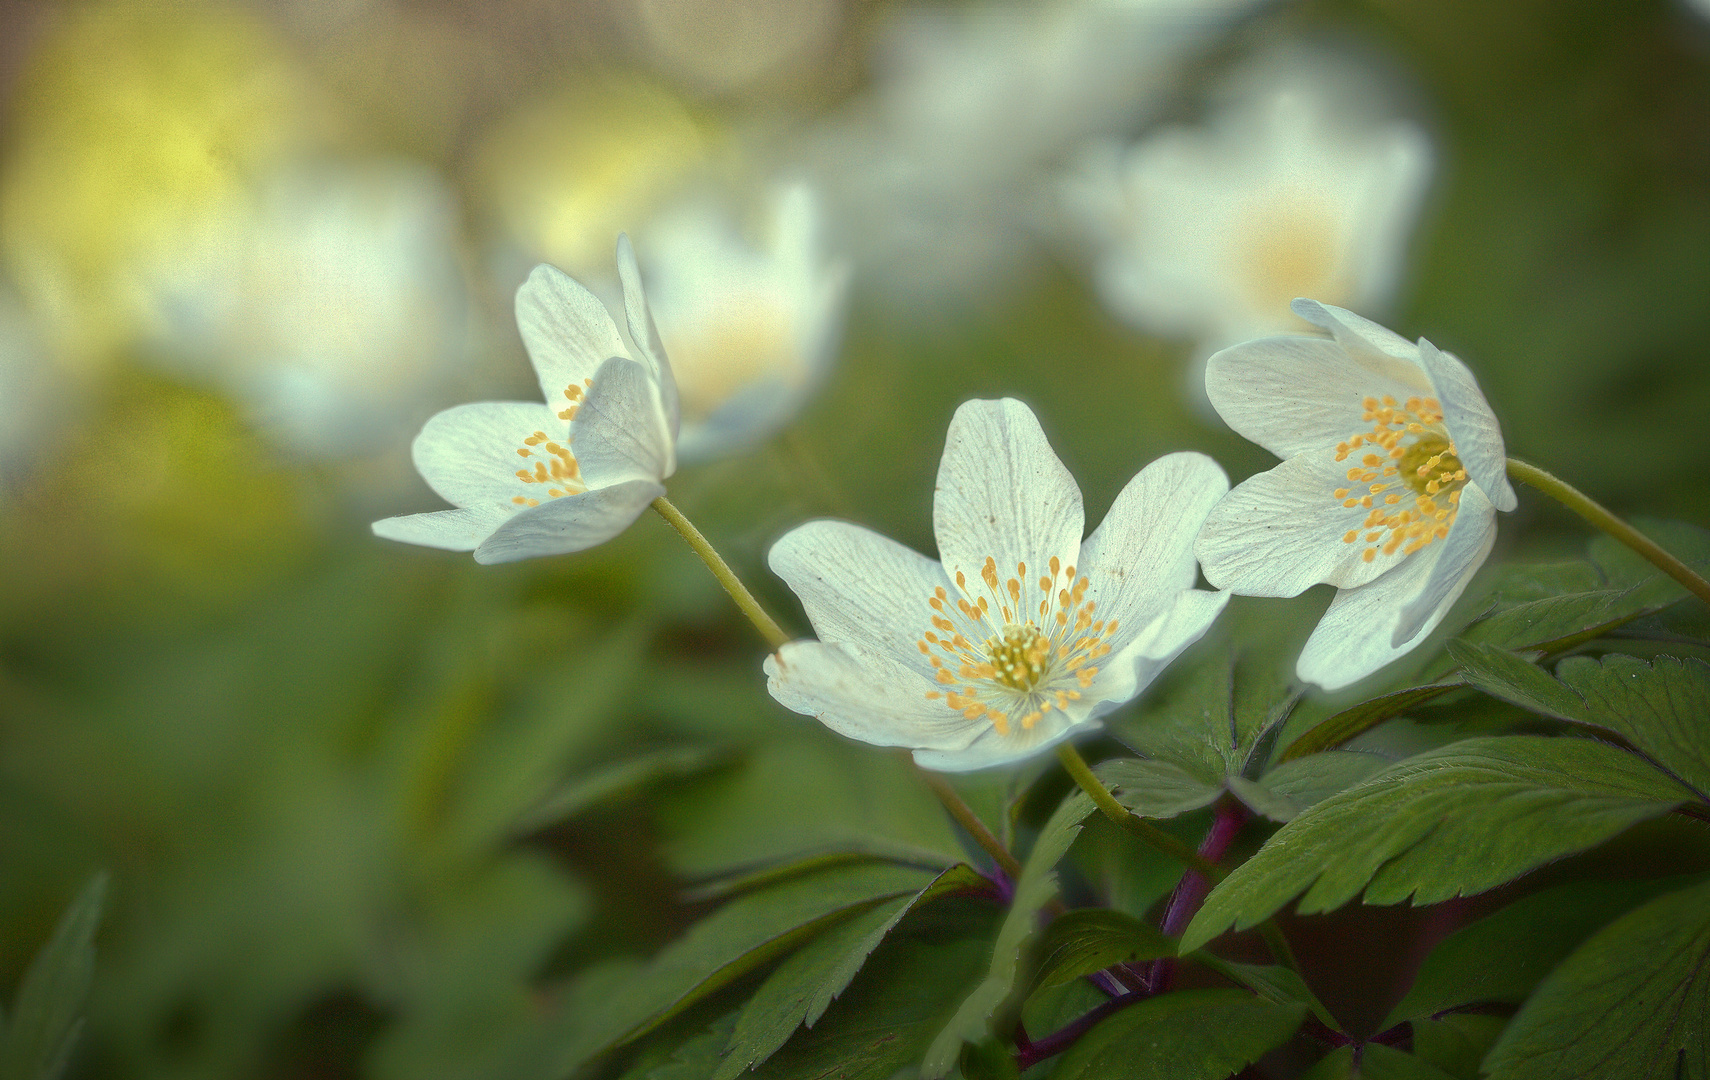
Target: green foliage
(1037, 887)
(1189, 1035)
(1078, 943)
(1457, 820)
(1632, 1002)
(1274, 983)
(1500, 958)
(1373, 1061)
(47, 1011)
(1457, 1043)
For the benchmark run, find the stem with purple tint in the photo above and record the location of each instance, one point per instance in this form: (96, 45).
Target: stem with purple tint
(1028, 1054)
(1191, 891)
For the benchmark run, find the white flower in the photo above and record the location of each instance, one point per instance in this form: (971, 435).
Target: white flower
(1024, 635)
(32, 389)
(1208, 232)
(1393, 470)
(752, 331)
(508, 466)
(333, 308)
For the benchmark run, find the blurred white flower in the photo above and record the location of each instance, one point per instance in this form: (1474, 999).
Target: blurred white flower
(31, 388)
(1024, 635)
(1393, 470)
(507, 465)
(940, 177)
(333, 307)
(751, 330)
(1292, 190)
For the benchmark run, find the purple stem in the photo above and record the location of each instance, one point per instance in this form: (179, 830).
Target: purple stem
(1191, 891)
(1030, 1054)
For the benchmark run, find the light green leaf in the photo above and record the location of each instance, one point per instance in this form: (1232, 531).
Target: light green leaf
(1188, 1035)
(803, 986)
(1457, 1043)
(1283, 792)
(1453, 821)
(46, 1015)
(741, 936)
(1091, 939)
(1632, 1003)
(1155, 788)
(1037, 886)
(1501, 957)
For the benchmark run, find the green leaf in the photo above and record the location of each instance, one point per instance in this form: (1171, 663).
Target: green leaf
(618, 779)
(1273, 982)
(741, 936)
(1501, 957)
(1037, 886)
(1658, 706)
(692, 1059)
(1293, 786)
(1632, 1003)
(1372, 1061)
(902, 997)
(1188, 1035)
(1453, 821)
(1155, 788)
(1086, 940)
(1340, 727)
(46, 1016)
(803, 986)
(1457, 1043)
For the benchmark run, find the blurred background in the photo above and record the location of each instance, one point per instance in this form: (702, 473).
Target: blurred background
(362, 801)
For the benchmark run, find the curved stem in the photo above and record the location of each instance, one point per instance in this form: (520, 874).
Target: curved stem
(1589, 509)
(768, 626)
(965, 817)
(1140, 827)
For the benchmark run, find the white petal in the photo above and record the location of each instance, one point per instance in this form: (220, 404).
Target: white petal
(990, 749)
(1283, 531)
(1141, 556)
(645, 334)
(619, 431)
(866, 696)
(1132, 668)
(468, 453)
(859, 587)
(1464, 551)
(741, 420)
(1354, 638)
(453, 530)
(570, 523)
(1003, 494)
(1292, 394)
(1472, 425)
(1377, 349)
(567, 331)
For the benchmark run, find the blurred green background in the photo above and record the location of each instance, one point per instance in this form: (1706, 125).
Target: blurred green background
(315, 762)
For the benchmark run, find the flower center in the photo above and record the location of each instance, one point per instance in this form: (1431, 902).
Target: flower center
(1010, 660)
(1407, 450)
(554, 465)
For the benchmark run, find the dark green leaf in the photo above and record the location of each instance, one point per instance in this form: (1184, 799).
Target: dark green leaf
(1342, 726)
(1373, 1061)
(1457, 1043)
(691, 1059)
(1452, 821)
(1037, 886)
(1501, 957)
(1273, 982)
(1632, 1003)
(741, 936)
(619, 778)
(1283, 792)
(1156, 788)
(1189, 1035)
(46, 1015)
(1091, 939)
(803, 986)
(1626, 568)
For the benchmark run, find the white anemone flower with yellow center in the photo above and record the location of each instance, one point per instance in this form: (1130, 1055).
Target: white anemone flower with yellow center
(508, 466)
(1023, 635)
(1393, 470)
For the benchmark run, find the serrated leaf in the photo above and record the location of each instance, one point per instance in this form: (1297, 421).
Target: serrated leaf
(1155, 788)
(885, 1020)
(1453, 821)
(1038, 884)
(1293, 786)
(1457, 1043)
(741, 936)
(1188, 1035)
(1274, 983)
(1501, 957)
(1632, 1003)
(803, 986)
(46, 1014)
(1086, 940)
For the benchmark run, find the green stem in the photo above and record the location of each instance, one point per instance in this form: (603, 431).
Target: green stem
(965, 817)
(1588, 508)
(1139, 826)
(776, 638)
(768, 626)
